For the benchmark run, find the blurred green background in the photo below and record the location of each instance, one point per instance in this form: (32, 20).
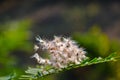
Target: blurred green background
(95, 25)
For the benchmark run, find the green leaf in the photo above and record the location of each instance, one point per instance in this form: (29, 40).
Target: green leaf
(34, 73)
(9, 77)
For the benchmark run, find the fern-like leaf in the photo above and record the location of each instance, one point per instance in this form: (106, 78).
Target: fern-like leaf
(35, 73)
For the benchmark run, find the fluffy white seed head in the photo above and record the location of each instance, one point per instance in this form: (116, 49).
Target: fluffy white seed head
(62, 51)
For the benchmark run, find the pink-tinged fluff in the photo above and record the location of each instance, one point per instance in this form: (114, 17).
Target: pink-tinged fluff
(62, 52)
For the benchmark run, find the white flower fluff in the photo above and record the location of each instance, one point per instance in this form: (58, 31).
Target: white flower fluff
(62, 52)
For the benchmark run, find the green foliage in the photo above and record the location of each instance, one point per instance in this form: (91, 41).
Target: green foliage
(35, 73)
(94, 42)
(13, 36)
(97, 43)
(9, 77)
